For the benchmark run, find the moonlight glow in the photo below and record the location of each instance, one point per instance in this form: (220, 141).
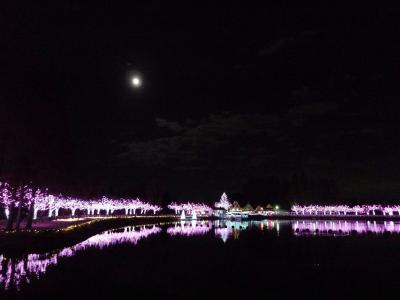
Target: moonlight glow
(136, 81)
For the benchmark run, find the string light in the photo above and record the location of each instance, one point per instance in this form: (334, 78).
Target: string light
(190, 208)
(41, 200)
(357, 210)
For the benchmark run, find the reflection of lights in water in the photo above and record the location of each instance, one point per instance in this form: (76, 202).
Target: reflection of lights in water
(227, 228)
(189, 228)
(339, 227)
(237, 225)
(223, 233)
(14, 272)
(270, 224)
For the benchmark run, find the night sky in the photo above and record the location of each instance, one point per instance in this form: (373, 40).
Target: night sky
(234, 95)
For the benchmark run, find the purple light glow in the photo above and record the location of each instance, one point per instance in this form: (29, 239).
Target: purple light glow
(190, 228)
(387, 210)
(342, 227)
(223, 202)
(223, 233)
(15, 272)
(198, 208)
(43, 201)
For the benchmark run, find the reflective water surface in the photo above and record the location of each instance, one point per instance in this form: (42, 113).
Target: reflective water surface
(296, 244)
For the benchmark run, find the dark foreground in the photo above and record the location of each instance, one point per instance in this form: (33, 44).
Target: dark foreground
(221, 261)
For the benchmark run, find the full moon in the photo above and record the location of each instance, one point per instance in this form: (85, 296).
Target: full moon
(136, 81)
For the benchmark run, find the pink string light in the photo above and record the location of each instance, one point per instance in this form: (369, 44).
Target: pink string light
(43, 201)
(387, 210)
(189, 208)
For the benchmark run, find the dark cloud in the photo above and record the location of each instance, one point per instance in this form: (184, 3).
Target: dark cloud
(313, 109)
(277, 45)
(173, 126)
(218, 141)
(320, 138)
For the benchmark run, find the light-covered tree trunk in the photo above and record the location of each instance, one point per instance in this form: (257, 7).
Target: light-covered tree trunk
(10, 220)
(31, 214)
(19, 215)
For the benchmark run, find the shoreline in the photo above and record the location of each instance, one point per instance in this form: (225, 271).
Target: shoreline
(14, 244)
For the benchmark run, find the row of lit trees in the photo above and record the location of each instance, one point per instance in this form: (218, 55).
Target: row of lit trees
(200, 208)
(189, 207)
(345, 209)
(26, 200)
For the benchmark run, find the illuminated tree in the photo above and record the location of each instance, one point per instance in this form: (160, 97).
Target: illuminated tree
(23, 195)
(223, 202)
(6, 198)
(189, 208)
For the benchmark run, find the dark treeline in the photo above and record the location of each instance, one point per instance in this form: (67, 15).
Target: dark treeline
(286, 191)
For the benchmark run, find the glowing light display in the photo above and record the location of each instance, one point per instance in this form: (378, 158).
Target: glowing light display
(15, 272)
(189, 208)
(223, 202)
(189, 228)
(387, 210)
(52, 204)
(6, 197)
(343, 227)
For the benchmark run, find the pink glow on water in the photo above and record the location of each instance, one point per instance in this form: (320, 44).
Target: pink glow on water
(190, 228)
(15, 272)
(223, 233)
(343, 227)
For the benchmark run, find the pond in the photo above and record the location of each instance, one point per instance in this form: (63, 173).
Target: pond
(216, 259)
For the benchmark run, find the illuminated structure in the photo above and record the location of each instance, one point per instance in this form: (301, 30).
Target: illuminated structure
(222, 207)
(226, 210)
(223, 202)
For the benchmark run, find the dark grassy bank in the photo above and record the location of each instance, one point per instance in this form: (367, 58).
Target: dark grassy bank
(14, 244)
